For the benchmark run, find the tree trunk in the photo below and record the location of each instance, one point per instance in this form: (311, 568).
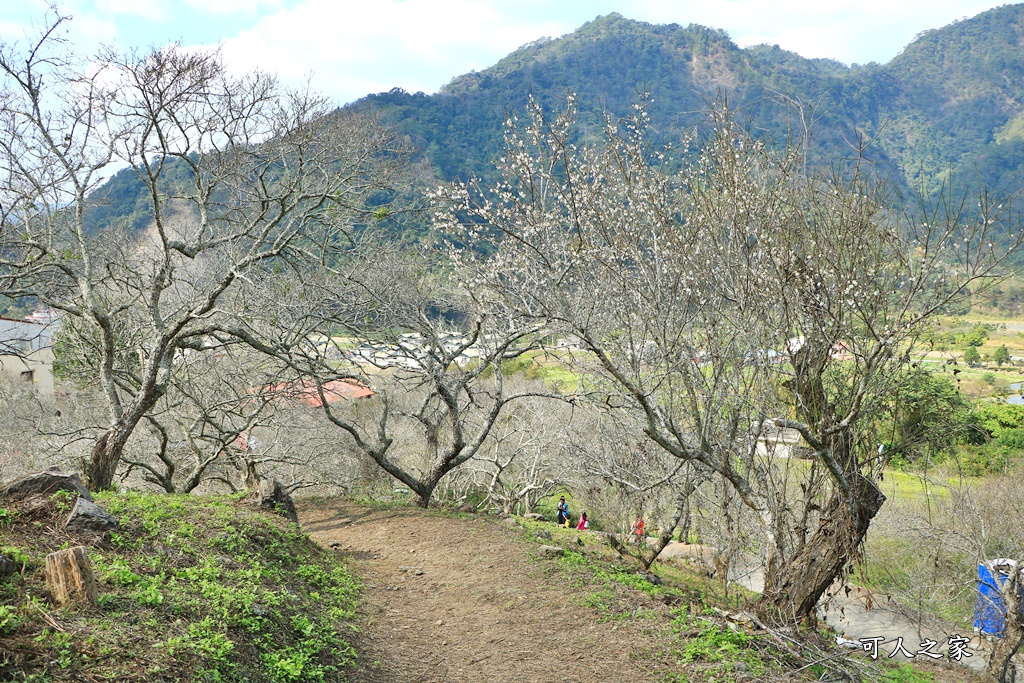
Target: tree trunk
(1001, 668)
(792, 590)
(106, 452)
(423, 495)
(105, 457)
(252, 479)
(684, 526)
(69, 576)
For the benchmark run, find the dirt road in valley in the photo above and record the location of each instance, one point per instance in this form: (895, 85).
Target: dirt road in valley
(457, 600)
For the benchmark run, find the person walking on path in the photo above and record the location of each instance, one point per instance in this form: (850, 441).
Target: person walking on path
(638, 527)
(563, 511)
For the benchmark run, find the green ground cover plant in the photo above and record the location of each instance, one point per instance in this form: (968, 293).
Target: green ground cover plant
(703, 625)
(190, 589)
(691, 630)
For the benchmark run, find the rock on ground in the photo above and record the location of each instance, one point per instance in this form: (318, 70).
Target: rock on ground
(46, 483)
(88, 516)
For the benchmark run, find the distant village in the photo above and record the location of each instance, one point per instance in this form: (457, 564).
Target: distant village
(410, 351)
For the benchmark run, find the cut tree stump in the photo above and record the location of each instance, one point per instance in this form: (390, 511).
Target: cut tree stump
(69, 576)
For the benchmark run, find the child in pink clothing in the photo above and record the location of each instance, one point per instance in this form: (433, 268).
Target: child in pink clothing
(584, 523)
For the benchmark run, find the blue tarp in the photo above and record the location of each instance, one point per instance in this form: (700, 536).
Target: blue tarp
(990, 610)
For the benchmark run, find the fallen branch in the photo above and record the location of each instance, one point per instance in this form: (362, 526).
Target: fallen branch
(49, 619)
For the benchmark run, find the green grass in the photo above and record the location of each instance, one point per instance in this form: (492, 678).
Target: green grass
(691, 635)
(715, 643)
(907, 674)
(904, 567)
(546, 367)
(190, 588)
(911, 487)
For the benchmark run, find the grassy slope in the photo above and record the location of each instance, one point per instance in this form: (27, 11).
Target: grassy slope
(697, 637)
(712, 648)
(191, 589)
(202, 589)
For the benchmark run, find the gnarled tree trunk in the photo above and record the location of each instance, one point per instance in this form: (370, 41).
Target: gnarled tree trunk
(106, 456)
(106, 452)
(792, 589)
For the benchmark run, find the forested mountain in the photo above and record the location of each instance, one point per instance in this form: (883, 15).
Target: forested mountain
(949, 105)
(951, 101)
(608, 62)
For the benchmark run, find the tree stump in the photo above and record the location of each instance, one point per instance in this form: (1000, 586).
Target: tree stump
(69, 576)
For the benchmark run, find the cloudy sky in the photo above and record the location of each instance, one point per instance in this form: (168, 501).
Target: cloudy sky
(353, 47)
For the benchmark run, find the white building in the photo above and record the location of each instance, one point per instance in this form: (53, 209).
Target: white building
(26, 350)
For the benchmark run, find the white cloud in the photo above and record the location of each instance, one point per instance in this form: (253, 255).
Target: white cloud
(225, 7)
(154, 10)
(85, 33)
(89, 32)
(359, 47)
(355, 47)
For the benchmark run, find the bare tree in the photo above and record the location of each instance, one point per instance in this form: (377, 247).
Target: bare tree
(524, 458)
(623, 475)
(736, 294)
(428, 345)
(203, 426)
(238, 176)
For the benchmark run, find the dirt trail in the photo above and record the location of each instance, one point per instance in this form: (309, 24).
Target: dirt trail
(467, 600)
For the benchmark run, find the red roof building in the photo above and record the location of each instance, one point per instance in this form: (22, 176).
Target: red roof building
(336, 390)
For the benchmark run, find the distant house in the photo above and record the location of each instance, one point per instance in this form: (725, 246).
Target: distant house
(569, 343)
(778, 441)
(26, 349)
(842, 351)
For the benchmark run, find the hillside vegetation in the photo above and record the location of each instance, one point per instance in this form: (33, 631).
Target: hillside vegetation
(457, 597)
(190, 589)
(949, 102)
(946, 109)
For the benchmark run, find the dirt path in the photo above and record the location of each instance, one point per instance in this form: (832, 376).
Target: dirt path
(468, 600)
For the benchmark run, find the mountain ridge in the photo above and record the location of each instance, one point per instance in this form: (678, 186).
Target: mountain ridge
(942, 99)
(948, 106)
